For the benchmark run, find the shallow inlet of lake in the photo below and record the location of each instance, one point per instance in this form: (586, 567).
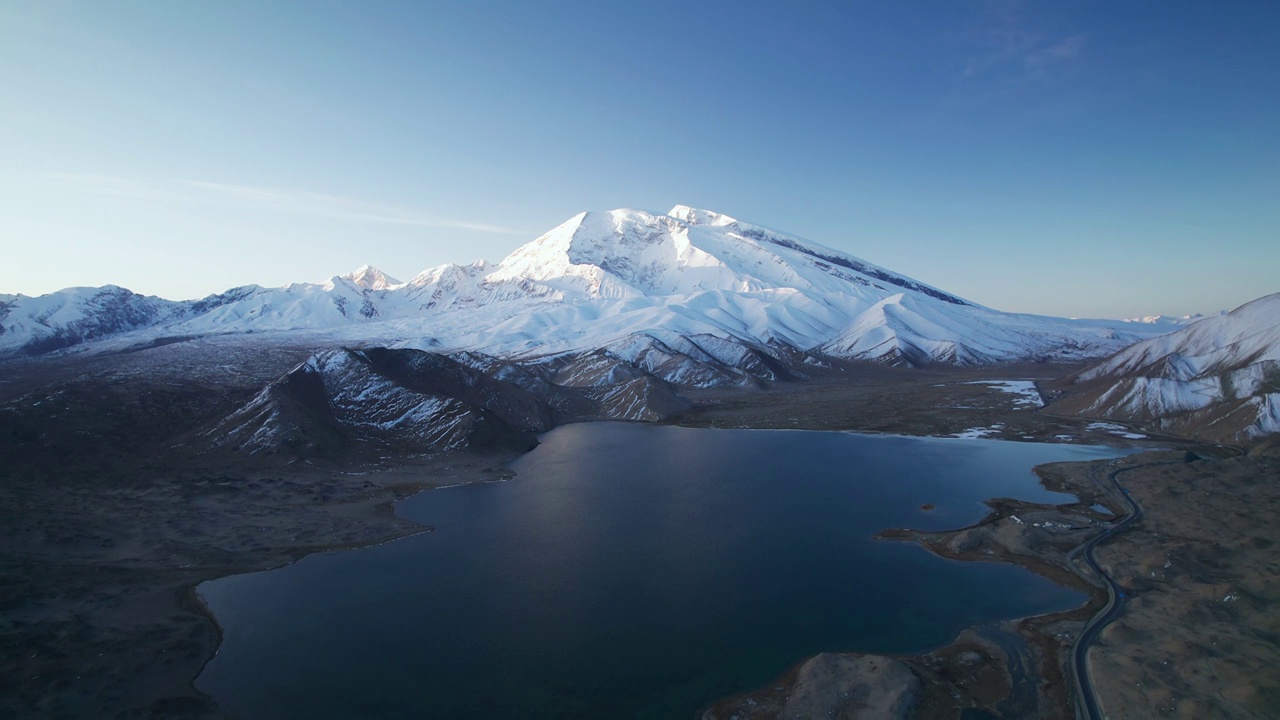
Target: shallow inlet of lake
(633, 571)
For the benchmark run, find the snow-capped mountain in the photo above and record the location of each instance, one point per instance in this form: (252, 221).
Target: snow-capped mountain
(1218, 378)
(77, 315)
(600, 280)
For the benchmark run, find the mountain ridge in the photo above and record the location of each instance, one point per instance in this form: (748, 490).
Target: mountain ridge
(1216, 379)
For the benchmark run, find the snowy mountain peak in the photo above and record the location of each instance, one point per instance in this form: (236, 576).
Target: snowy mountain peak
(694, 216)
(632, 253)
(371, 278)
(440, 273)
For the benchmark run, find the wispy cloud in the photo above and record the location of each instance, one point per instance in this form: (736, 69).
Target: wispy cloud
(1012, 40)
(1066, 50)
(284, 200)
(1022, 53)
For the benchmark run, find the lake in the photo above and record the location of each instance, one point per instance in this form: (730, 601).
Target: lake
(633, 571)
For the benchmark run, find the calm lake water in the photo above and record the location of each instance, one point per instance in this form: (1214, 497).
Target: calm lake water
(632, 571)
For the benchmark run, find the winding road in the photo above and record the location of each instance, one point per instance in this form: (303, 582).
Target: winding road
(1087, 700)
(1087, 705)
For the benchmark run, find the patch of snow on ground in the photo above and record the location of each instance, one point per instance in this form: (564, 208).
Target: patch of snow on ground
(1025, 391)
(1117, 430)
(977, 433)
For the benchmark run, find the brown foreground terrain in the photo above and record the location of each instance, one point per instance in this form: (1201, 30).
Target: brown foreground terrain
(109, 518)
(1201, 636)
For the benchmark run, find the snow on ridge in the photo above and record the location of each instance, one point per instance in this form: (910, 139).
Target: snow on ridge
(1247, 334)
(1167, 320)
(694, 216)
(1268, 415)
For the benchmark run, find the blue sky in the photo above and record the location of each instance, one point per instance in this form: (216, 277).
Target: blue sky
(1080, 159)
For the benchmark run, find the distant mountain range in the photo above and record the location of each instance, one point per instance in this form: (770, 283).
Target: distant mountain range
(1217, 379)
(618, 279)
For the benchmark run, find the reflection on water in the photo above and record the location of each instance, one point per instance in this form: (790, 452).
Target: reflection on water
(635, 571)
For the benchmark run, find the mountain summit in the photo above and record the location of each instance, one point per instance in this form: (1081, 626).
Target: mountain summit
(371, 278)
(600, 280)
(627, 253)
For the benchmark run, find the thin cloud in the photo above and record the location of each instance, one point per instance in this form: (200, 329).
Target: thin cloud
(298, 202)
(1066, 50)
(1022, 53)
